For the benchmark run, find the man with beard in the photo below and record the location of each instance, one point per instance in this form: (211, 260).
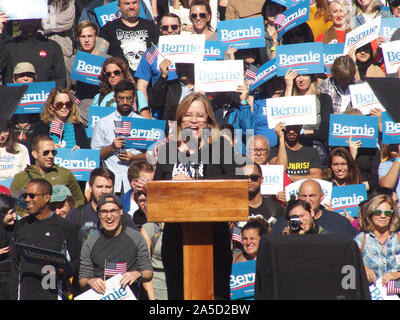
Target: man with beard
(31, 46)
(303, 161)
(111, 144)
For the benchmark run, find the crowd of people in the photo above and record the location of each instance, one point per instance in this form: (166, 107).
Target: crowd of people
(101, 225)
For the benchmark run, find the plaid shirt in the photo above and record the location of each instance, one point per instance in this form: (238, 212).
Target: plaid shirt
(340, 99)
(378, 260)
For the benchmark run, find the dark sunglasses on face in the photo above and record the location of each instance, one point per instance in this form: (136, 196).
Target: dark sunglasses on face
(201, 15)
(387, 213)
(253, 177)
(31, 195)
(60, 105)
(47, 152)
(115, 73)
(174, 27)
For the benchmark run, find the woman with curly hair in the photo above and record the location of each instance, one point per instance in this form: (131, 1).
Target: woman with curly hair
(61, 109)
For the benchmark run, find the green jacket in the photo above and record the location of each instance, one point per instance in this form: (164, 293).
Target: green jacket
(56, 175)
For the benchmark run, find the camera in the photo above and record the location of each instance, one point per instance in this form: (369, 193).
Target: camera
(294, 224)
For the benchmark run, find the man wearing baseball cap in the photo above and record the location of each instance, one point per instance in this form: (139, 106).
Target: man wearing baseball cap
(99, 258)
(61, 201)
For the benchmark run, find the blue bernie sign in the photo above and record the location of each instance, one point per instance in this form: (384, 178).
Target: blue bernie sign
(87, 68)
(390, 130)
(348, 198)
(242, 280)
(267, 71)
(144, 132)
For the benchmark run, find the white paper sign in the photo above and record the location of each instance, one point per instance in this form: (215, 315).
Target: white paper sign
(24, 9)
(114, 291)
(297, 110)
(362, 35)
(181, 48)
(391, 55)
(273, 179)
(218, 76)
(378, 291)
(326, 186)
(363, 98)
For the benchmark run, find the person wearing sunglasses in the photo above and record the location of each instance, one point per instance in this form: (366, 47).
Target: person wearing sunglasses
(379, 239)
(200, 16)
(61, 108)
(43, 153)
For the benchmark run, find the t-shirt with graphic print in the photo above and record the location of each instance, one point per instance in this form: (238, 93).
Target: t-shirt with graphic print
(129, 43)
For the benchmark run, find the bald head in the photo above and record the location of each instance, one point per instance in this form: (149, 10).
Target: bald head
(258, 149)
(311, 192)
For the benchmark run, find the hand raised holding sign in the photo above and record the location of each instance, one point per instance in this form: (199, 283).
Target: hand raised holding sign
(353, 146)
(3, 21)
(164, 67)
(289, 79)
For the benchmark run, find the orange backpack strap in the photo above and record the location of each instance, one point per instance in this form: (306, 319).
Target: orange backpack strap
(363, 242)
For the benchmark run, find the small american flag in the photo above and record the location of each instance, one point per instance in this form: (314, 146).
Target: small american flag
(152, 54)
(122, 127)
(236, 234)
(251, 71)
(279, 19)
(56, 127)
(393, 287)
(114, 268)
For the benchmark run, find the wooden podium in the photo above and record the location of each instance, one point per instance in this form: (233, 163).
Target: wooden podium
(208, 201)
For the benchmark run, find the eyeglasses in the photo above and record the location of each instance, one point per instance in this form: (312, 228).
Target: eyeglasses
(113, 212)
(47, 152)
(258, 150)
(253, 177)
(174, 27)
(201, 117)
(115, 73)
(387, 213)
(31, 195)
(201, 15)
(141, 201)
(128, 99)
(60, 105)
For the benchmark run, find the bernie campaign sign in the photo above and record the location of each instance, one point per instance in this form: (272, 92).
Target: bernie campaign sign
(363, 98)
(242, 33)
(273, 179)
(296, 110)
(388, 27)
(305, 58)
(326, 186)
(34, 9)
(35, 96)
(391, 55)
(87, 67)
(214, 50)
(267, 71)
(286, 3)
(242, 280)
(348, 198)
(218, 76)
(80, 161)
(331, 52)
(362, 35)
(294, 16)
(144, 132)
(390, 130)
(95, 114)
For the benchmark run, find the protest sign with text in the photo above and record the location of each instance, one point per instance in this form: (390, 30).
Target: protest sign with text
(326, 186)
(345, 126)
(273, 179)
(294, 16)
(242, 33)
(217, 76)
(80, 161)
(267, 71)
(380, 292)
(305, 58)
(363, 98)
(364, 34)
(144, 132)
(95, 114)
(391, 56)
(35, 96)
(390, 130)
(214, 50)
(182, 48)
(106, 13)
(242, 280)
(388, 27)
(114, 291)
(286, 3)
(87, 68)
(348, 198)
(331, 52)
(24, 9)
(296, 110)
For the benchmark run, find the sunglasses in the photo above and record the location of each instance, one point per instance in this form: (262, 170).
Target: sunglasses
(31, 195)
(60, 105)
(201, 15)
(115, 73)
(47, 152)
(253, 177)
(165, 28)
(387, 213)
